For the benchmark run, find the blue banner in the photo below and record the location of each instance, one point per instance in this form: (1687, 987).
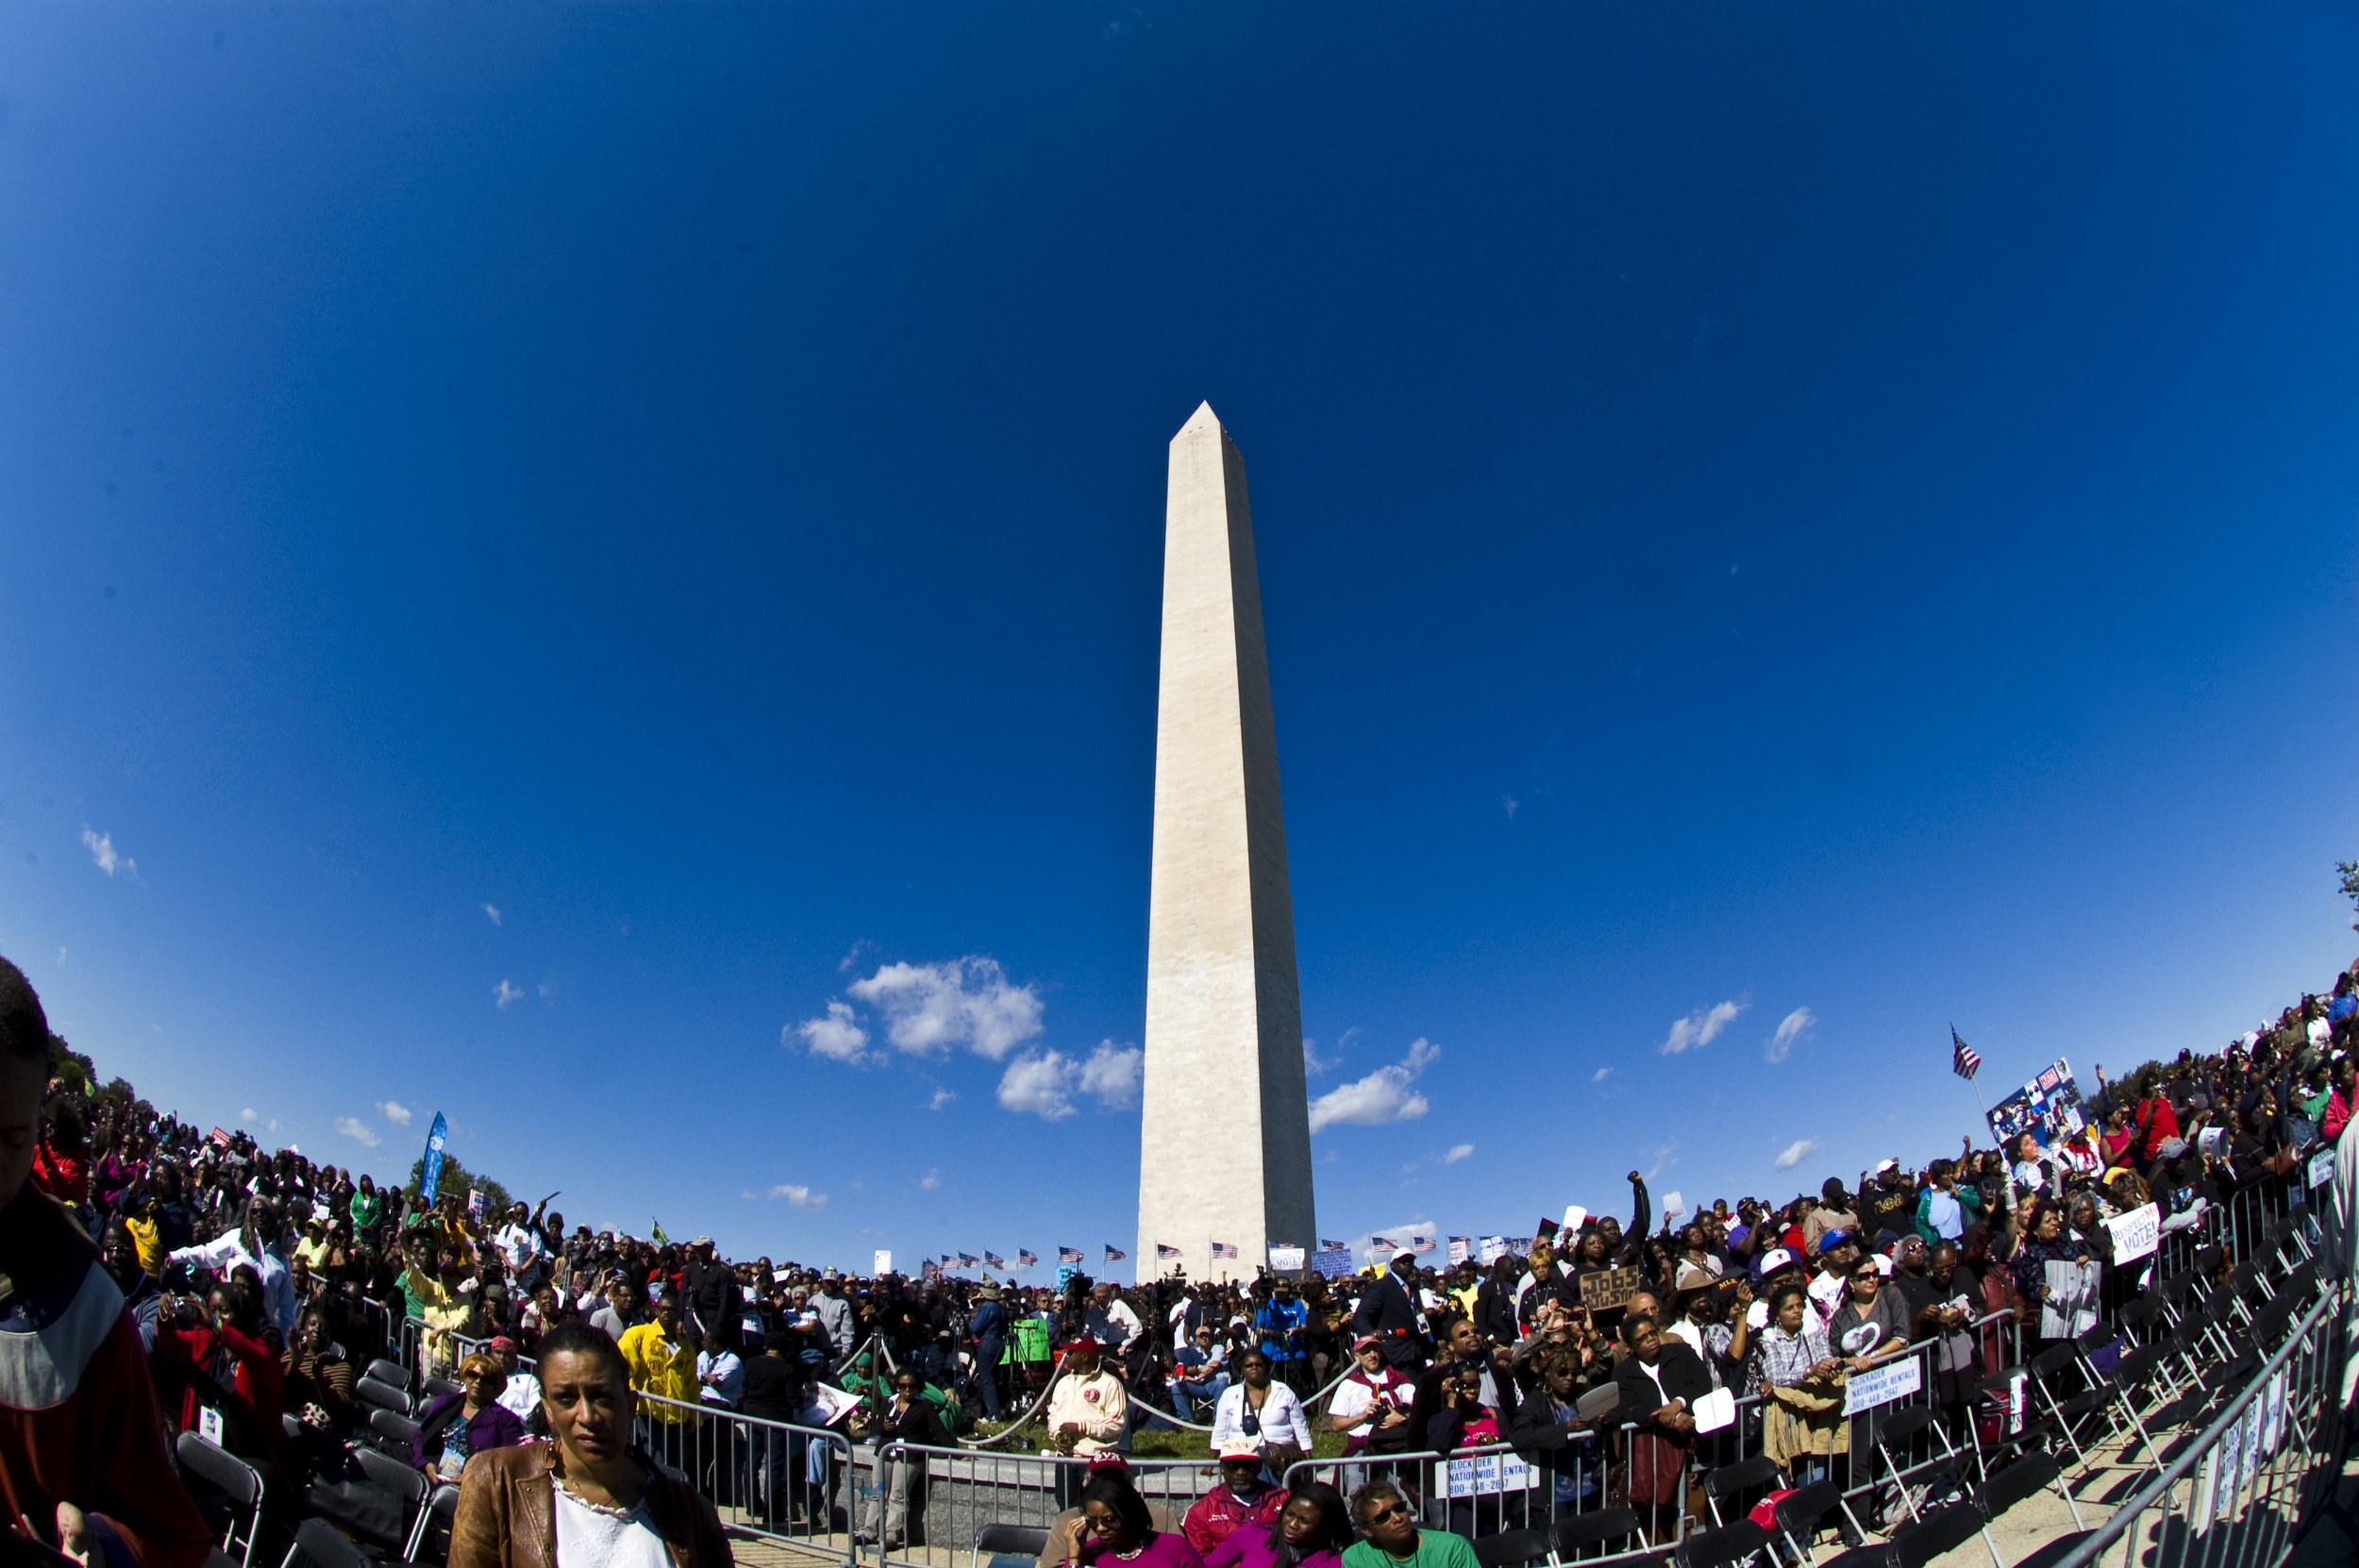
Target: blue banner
(431, 1176)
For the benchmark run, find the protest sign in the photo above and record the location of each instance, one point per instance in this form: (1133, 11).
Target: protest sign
(1608, 1290)
(2322, 1166)
(1490, 1249)
(2135, 1234)
(1332, 1262)
(1285, 1259)
(1458, 1246)
(1575, 1218)
(1486, 1474)
(1715, 1410)
(884, 1264)
(1882, 1385)
(2071, 1307)
(2048, 1107)
(474, 1203)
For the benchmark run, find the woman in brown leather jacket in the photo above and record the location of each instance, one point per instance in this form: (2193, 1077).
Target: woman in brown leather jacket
(586, 1498)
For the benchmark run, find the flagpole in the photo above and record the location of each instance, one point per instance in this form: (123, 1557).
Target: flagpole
(1973, 1082)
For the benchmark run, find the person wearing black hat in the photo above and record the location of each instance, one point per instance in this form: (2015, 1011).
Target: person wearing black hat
(1389, 1312)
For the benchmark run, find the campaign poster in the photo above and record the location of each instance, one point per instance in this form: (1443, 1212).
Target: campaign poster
(2049, 1107)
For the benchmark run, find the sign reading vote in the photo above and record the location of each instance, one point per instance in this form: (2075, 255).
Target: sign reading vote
(1486, 1474)
(2137, 1234)
(1608, 1290)
(1882, 1385)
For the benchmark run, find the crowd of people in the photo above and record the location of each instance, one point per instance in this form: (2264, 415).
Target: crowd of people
(255, 1289)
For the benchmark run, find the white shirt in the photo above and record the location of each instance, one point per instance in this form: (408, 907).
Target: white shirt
(519, 1243)
(1356, 1396)
(593, 1538)
(226, 1252)
(1281, 1418)
(522, 1396)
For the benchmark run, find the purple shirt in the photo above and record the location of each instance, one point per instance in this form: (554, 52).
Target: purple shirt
(1169, 1549)
(1249, 1547)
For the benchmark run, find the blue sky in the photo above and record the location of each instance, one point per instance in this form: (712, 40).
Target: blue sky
(1757, 510)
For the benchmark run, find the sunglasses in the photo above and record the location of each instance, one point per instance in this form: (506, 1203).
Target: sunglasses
(1382, 1512)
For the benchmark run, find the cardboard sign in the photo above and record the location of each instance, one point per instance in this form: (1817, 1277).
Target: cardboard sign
(1575, 1218)
(2048, 1107)
(1608, 1290)
(2322, 1166)
(1486, 1474)
(2137, 1234)
(1490, 1249)
(1882, 1385)
(1715, 1410)
(883, 1264)
(1285, 1259)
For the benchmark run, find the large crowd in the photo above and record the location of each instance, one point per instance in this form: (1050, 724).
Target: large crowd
(174, 1279)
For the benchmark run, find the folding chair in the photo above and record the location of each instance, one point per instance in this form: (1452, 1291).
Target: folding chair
(1024, 1542)
(429, 1538)
(1942, 1530)
(318, 1545)
(2026, 1477)
(374, 1395)
(410, 1486)
(392, 1433)
(1511, 1549)
(1580, 1532)
(1724, 1547)
(1895, 1439)
(1727, 1482)
(239, 1484)
(392, 1374)
(433, 1389)
(1803, 1516)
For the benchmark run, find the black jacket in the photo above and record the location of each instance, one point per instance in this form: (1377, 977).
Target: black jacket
(1683, 1377)
(1387, 1312)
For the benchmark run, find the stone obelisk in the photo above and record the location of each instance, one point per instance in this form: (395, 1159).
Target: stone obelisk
(1225, 1149)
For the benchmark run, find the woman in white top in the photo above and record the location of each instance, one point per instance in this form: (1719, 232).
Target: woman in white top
(1257, 1410)
(588, 1498)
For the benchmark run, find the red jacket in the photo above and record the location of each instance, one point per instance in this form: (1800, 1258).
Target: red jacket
(1217, 1515)
(78, 1418)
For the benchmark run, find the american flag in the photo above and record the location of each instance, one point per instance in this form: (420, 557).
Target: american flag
(993, 1260)
(966, 1260)
(1326, 1246)
(1224, 1249)
(1164, 1253)
(1068, 1255)
(1025, 1260)
(1384, 1242)
(1114, 1254)
(1963, 1060)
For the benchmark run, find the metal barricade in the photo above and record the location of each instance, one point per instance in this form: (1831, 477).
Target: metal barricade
(2256, 1478)
(1482, 1489)
(930, 1506)
(767, 1478)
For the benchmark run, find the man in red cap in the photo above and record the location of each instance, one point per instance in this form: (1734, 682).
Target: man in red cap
(1088, 1411)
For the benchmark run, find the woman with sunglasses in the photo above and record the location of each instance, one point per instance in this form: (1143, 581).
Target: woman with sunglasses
(1257, 1409)
(1115, 1530)
(907, 1418)
(1389, 1536)
(1872, 1322)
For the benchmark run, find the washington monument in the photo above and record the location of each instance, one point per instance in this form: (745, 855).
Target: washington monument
(1224, 1148)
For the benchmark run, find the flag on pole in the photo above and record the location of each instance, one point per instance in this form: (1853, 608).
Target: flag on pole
(1114, 1254)
(966, 1260)
(1963, 1062)
(1025, 1260)
(1326, 1246)
(991, 1259)
(656, 1226)
(1165, 1252)
(431, 1164)
(1068, 1255)
(1224, 1249)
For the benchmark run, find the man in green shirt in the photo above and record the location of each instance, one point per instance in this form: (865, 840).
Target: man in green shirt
(1389, 1537)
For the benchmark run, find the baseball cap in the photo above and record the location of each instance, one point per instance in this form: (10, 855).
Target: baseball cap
(1774, 1259)
(1832, 1239)
(1241, 1448)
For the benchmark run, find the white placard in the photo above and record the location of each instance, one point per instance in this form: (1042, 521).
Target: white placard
(2137, 1234)
(1716, 1409)
(1486, 1474)
(2322, 1166)
(1490, 1249)
(885, 1263)
(2207, 1489)
(1575, 1218)
(2273, 1414)
(1882, 1385)
(2248, 1459)
(1673, 1205)
(1285, 1259)
(2069, 1309)
(208, 1425)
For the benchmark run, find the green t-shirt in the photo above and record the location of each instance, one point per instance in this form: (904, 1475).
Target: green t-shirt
(1435, 1549)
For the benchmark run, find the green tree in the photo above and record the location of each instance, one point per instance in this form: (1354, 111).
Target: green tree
(456, 1178)
(2351, 885)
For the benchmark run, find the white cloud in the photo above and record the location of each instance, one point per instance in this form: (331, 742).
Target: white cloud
(504, 994)
(249, 1114)
(930, 1007)
(1457, 1153)
(941, 1100)
(1511, 803)
(492, 910)
(1044, 1083)
(930, 1180)
(60, 957)
(1314, 1063)
(1601, 1074)
(1665, 1158)
(1384, 1096)
(748, 1194)
(1790, 1028)
(836, 1036)
(394, 1112)
(103, 854)
(799, 1196)
(1796, 1152)
(358, 1130)
(1701, 1027)
(1112, 1075)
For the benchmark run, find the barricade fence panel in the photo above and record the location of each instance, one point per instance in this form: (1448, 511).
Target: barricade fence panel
(766, 1478)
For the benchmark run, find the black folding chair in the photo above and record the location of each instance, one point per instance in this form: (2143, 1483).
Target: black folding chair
(1579, 1533)
(392, 1374)
(319, 1545)
(1015, 1541)
(429, 1538)
(1511, 1549)
(1729, 1482)
(373, 1395)
(1942, 1530)
(1723, 1547)
(407, 1484)
(1803, 1514)
(391, 1433)
(238, 1484)
(2026, 1477)
(1896, 1445)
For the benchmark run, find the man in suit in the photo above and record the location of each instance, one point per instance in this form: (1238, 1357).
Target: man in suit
(1389, 1312)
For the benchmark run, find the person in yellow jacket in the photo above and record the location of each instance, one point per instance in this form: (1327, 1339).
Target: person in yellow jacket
(662, 1364)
